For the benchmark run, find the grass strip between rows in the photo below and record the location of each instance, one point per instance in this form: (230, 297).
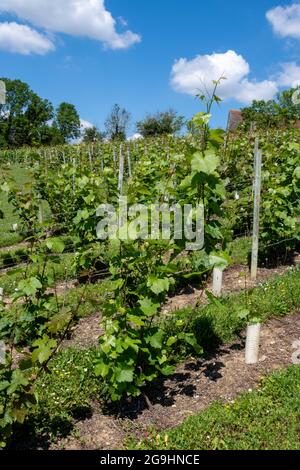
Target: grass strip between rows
(266, 419)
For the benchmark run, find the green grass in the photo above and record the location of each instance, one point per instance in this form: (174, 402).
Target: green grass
(13, 257)
(71, 383)
(60, 271)
(64, 394)
(20, 176)
(71, 386)
(267, 419)
(7, 235)
(90, 297)
(239, 250)
(219, 322)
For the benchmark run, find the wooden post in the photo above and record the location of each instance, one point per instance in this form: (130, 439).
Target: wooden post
(257, 198)
(1, 294)
(73, 177)
(121, 172)
(217, 282)
(129, 163)
(90, 159)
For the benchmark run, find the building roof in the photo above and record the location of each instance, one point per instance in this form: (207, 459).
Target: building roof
(235, 118)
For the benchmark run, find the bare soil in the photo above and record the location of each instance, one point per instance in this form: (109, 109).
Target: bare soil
(236, 279)
(194, 386)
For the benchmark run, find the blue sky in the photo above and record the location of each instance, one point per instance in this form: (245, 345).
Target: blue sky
(94, 62)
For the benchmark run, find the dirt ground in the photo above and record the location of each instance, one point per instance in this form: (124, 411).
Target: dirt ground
(236, 278)
(194, 386)
(196, 383)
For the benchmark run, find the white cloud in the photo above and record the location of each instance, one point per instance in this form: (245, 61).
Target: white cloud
(24, 40)
(123, 22)
(85, 124)
(289, 76)
(84, 18)
(188, 76)
(248, 91)
(285, 20)
(134, 137)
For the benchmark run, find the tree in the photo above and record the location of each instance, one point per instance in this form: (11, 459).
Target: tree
(280, 112)
(50, 135)
(288, 110)
(92, 134)
(67, 121)
(117, 122)
(162, 123)
(262, 113)
(24, 116)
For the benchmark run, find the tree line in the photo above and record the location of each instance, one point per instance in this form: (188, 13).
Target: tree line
(26, 119)
(281, 112)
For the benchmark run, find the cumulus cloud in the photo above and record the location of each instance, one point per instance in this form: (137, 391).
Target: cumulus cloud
(188, 76)
(21, 39)
(85, 124)
(249, 91)
(289, 75)
(285, 20)
(134, 137)
(83, 18)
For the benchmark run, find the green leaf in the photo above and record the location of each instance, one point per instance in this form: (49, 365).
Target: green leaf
(116, 285)
(59, 321)
(148, 307)
(4, 385)
(29, 286)
(194, 274)
(207, 164)
(255, 321)
(134, 319)
(190, 339)
(220, 260)
(56, 245)
(201, 119)
(172, 340)
(124, 375)
(156, 340)
(158, 286)
(101, 370)
(243, 314)
(43, 351)
(297, 173)
(167, 370)
(213, 231)
(81, 215)
(18, 381)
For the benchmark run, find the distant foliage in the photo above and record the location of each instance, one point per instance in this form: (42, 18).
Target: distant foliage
(117, 122)
(28, 120)
(92, 134)
(67, 121)
(163, 123)
(279, 113)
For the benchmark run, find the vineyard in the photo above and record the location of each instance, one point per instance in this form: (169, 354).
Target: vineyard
(104, 340)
